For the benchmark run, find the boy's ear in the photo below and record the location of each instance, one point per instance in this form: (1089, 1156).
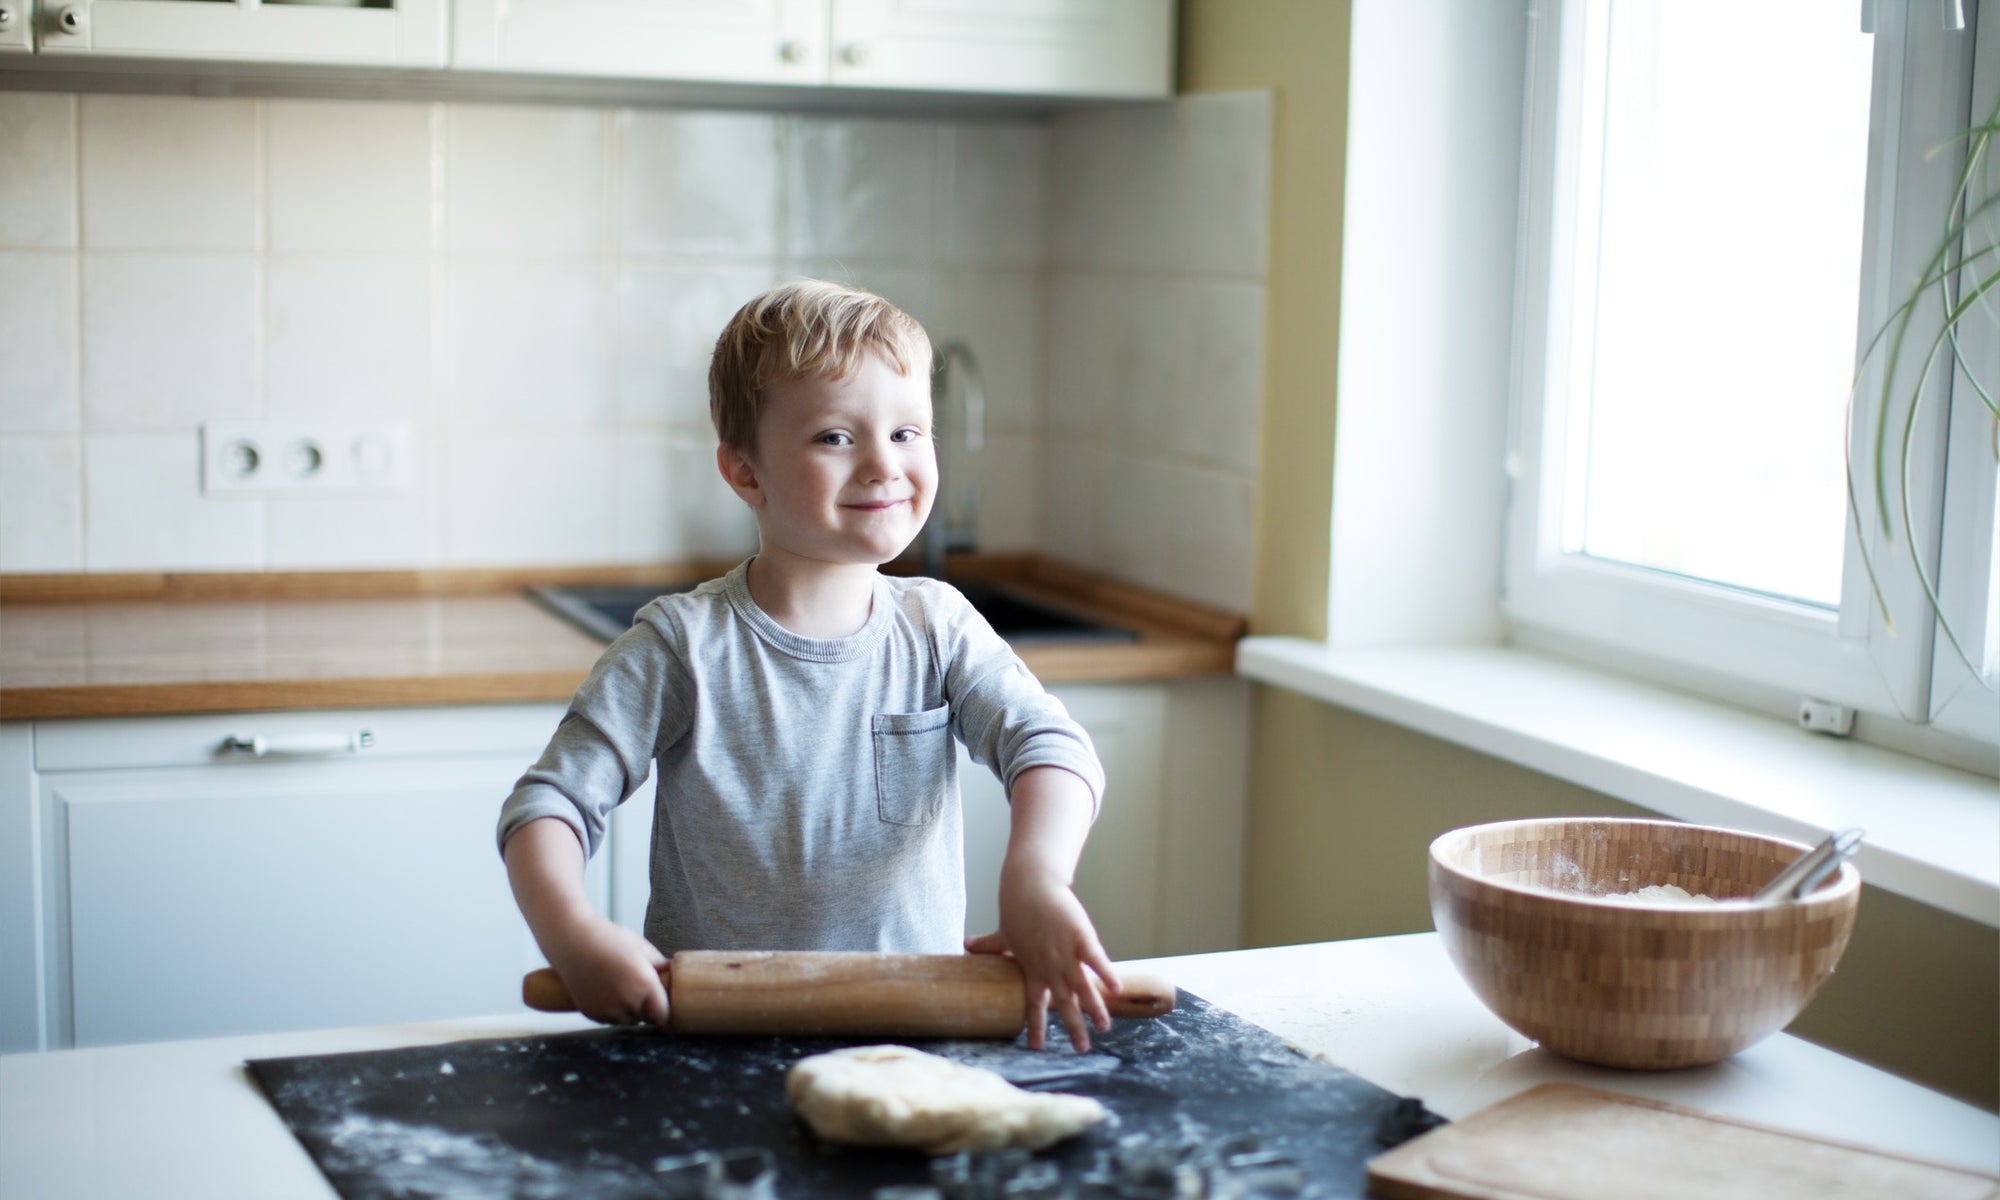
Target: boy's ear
(739, 473)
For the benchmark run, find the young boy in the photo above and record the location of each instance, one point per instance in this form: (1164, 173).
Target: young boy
(801, 709)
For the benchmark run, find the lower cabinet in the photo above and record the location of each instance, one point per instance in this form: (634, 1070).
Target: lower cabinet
(347, 875)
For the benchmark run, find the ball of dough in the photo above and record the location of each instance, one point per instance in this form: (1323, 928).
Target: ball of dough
(897, 1096)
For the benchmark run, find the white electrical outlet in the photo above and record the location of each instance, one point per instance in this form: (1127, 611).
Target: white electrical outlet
(257, 457)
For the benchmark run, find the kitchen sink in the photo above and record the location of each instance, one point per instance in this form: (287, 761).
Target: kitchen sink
(607, 611)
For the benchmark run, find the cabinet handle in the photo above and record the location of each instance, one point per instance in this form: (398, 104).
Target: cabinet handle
(73, 18)
(259, 746)
(854, 54)
(793, 52)
(6, 18)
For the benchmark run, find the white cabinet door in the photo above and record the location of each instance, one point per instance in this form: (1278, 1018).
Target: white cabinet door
(739, 41)
(186, 893)
(1024, 47)
(23, 1018)
(409, 33)
(17, 31)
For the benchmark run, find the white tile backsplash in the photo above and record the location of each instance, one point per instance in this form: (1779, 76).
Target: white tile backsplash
(526, 182)
(143, 509)
(527, 343)
(169, 340)
(347, 337)
(169, 173)
(41, 503)
(1197, 341)
(998, 314)
(1091, 341)
(37, 170)
(396, 530)
(861, 189)
(1155, 313)
(699, 184)
(38, 367)
(537, 288)
(350, 177)
(1222, 184)
(669, 502)
(541, 497)
(1116, 207)
(993, 206)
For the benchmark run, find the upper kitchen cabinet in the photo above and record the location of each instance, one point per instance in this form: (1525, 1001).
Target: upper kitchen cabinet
(1108, 48)
(402, 33)
(724, 41)
(17, 33)
(1097, 48)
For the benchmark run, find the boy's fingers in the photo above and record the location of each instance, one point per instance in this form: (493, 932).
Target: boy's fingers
(1072, 1018)
(1038, 1017)
(1100, 964)
(654, 1010)
(986, 943)
(1086, 997)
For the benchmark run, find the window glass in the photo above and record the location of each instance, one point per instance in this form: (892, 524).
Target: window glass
(1717, 304)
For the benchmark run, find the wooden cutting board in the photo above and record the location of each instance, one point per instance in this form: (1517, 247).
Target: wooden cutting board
(1561, 1141)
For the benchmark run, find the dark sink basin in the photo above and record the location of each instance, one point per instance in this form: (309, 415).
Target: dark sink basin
(606, 612)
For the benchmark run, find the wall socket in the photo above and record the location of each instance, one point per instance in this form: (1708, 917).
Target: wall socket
(262, 457)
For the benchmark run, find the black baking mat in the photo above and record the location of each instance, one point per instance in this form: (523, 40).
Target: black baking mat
(1203, 1103)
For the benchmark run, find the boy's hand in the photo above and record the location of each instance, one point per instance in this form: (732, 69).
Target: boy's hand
(1063, 966)
(612, 973)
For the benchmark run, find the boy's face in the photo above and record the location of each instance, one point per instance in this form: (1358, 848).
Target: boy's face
(844, 471)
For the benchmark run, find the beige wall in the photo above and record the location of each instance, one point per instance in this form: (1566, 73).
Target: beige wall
(1343, 805)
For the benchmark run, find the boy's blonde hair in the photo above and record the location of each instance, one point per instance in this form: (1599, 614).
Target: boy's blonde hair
(806, 329)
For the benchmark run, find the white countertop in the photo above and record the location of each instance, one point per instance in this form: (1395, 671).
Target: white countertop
(183, 1119)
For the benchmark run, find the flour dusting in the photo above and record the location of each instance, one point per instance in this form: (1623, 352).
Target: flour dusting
(1661, 893)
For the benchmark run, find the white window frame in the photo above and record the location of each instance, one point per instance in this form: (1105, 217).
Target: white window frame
(1653, 623)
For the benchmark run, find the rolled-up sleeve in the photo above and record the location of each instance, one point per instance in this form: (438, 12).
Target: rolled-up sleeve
(1008, 721)
(604, 746)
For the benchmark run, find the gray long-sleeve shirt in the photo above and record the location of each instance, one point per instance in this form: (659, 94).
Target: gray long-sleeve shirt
(807, 788)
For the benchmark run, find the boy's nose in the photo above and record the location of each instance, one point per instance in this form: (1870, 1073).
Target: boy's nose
(881, 462)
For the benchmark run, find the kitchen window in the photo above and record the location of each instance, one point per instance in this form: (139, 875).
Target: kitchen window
(1723, 201)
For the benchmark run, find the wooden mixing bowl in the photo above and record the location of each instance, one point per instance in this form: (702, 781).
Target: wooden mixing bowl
(1522, 908)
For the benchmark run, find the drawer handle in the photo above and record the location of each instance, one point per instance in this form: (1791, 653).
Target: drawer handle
(259, 746)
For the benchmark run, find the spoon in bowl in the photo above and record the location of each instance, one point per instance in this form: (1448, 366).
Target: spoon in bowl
(1807, 871)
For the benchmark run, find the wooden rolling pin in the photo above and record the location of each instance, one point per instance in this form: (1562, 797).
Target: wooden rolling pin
(815, 993)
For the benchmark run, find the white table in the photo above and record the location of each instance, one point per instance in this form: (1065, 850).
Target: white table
(183, 1119)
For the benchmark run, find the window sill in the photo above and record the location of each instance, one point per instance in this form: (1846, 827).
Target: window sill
(1933, 831)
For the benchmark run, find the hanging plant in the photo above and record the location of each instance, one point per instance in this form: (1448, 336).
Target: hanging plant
(1959, 279)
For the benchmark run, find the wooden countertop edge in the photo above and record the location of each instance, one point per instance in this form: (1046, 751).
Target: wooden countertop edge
(169, 699)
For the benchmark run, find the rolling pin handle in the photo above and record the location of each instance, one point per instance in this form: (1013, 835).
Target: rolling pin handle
(1140, 995)
(544, 991)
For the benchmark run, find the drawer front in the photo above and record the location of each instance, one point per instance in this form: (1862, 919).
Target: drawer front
(360, 735)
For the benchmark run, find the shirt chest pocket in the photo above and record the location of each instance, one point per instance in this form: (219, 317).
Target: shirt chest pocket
(914, 765)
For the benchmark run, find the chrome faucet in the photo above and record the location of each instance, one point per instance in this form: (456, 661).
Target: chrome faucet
(953, 524)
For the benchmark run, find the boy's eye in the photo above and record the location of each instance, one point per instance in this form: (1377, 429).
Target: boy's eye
(834, 439)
